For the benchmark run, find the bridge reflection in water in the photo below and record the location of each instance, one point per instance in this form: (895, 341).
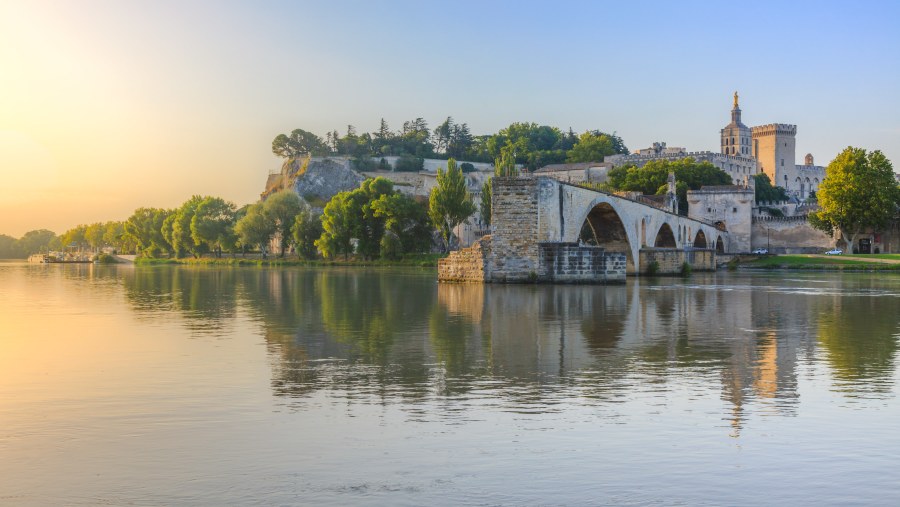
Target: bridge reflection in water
(395, 336)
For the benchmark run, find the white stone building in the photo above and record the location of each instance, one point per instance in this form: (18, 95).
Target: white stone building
(746, 151)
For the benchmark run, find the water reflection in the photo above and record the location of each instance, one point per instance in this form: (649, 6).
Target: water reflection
(396, 336)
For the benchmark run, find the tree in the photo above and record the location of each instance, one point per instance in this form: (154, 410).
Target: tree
(373, 220)
(406, 224)
(36, 241)
(180, 236)
(859, 192)
(652, 178)
(337, 227)
(306, 230)
(213, 225)
(766, 192)
(147, 229)
(591, 147)
(450, 202)
(442, 134)
(486, 199)
(9, 248)
(299, 143)
(505, 164)
(281, 208)
(255, 228)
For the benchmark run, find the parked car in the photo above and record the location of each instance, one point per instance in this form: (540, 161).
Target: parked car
(760, 251)
(834, 251)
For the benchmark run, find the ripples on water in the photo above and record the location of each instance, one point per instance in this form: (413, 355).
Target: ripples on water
(164, 385)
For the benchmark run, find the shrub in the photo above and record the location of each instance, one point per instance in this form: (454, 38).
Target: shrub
(364, 164)
(685, 269)
(652, 268)
(466, 167)
(409, 163)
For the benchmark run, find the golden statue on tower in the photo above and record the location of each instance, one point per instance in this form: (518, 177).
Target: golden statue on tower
(735, 99)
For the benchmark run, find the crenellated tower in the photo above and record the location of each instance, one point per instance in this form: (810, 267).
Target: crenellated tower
(774, 146)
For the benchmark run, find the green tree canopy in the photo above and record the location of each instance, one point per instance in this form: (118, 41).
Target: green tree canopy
(859, 192)
(450, 202)
(591, 147)
(180, 234)
(281, 209)
(306, 230)
(766, 192)
(374, 220)
(653, 176)
(213, 225)
(299, 143)
(255, 228)
(145, 230)
(36, 241)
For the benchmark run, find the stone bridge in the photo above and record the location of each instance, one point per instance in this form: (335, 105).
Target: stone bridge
(547, 230)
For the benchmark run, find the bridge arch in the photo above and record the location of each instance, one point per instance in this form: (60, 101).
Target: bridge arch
(602, 226)
(700, 240)
(665, 238)
(720, 245)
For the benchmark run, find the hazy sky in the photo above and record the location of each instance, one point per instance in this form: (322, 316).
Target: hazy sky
(106, 106)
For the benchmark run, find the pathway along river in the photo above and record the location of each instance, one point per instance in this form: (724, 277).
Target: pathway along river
(207, 386)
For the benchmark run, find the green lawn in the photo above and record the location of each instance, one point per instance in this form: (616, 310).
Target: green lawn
(893, 257)
(823, 262)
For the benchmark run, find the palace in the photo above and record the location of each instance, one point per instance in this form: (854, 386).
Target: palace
(744, 152)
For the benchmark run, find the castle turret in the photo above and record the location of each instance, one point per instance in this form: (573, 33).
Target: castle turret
(736, 137)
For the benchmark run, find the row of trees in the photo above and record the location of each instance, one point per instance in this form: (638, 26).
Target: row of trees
(371, 221)
(529, 144)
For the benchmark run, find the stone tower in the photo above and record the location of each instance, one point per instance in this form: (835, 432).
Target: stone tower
(773, 147)
(736, 137)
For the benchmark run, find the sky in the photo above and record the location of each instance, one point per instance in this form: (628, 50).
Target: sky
(111, 105)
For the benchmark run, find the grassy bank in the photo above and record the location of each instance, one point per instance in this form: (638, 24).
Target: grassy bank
(418, 260)
(884, 262)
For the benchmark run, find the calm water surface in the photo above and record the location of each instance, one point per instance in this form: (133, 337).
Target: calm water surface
(207, 386)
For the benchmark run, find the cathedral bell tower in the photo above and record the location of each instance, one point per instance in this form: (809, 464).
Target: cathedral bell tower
(736, 138)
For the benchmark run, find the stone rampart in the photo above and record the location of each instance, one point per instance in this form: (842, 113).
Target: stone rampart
(670, 260)
(788, 235)
(470, 264)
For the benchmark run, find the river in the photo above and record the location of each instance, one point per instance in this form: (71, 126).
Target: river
(167, 385)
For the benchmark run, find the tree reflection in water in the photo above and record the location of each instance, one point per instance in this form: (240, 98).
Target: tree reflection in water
(398, 336)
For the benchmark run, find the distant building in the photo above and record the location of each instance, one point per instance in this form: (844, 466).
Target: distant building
(746, 151)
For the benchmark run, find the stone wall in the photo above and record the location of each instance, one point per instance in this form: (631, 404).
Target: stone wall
(788, 235)
(470, 264)
(514, 216)
(670, 260)
(573, 263)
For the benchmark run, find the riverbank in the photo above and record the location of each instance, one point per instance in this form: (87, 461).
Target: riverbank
(882, 262)
(418, 260)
